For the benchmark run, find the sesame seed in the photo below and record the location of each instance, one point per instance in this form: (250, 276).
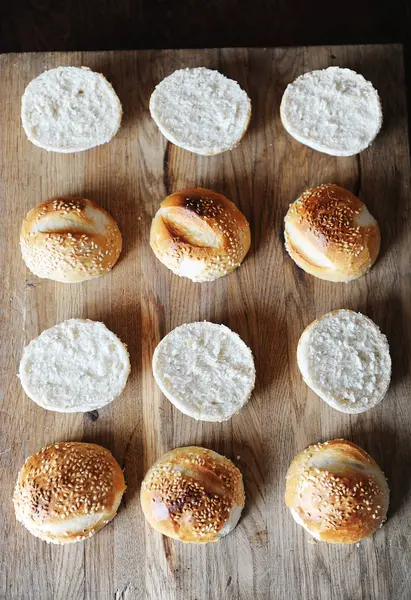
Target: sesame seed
(330, 213)
(62, 484)
(52, 254)
(180, 484)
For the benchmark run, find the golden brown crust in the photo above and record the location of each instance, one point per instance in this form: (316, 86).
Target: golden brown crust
(200, 234)
(337, 491)
(65, 484)
(190, 492)
(337, 226)
(70, 239)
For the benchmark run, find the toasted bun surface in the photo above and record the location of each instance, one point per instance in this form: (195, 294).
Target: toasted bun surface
(75, 366)
(337, 492)
(345, 359)
(200, 234)
(69, 109)
(333, 110)
(193, 495)
(201, 110)
(330, 234)
(66, 492)
(70, 239)
(205, 370)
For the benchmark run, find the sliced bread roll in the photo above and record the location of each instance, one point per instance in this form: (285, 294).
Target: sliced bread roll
(201, 110)
(345, 359)
(69, 109)
(68, 491)
(333, 110)
(76, 366)
(193, 495)
(70, 239)
(337, 492)
(200, 234)
(205, 370)
(331, 234)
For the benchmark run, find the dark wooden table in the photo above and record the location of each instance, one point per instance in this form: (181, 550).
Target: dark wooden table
(268, 302)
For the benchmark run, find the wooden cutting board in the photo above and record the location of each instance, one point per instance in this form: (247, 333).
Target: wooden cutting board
(268, 301)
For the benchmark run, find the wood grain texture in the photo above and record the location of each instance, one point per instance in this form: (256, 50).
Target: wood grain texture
(268, 301)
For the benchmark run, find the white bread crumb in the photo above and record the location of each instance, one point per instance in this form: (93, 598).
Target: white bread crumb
(70, 109)
(76, 366)
(345, 359)
(201, 110)
(333, 110)
(205, 370)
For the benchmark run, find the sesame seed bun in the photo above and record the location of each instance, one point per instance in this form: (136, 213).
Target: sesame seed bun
(330, 234)
(337, 492)
(76, 366)
(66, 492)
(193, 495)
(201, 110)
(205, 370)
(345, 359)
(69, 239)
(200, 234)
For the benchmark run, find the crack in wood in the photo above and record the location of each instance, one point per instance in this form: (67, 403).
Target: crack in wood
(166, 174)
(357, 187)
(168, 551)
(125, 593)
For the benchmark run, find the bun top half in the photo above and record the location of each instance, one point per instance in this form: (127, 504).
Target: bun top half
(337, 492)
(330, 234)
(200, 234)
(67, 491)
(193, 494)
(70, 239)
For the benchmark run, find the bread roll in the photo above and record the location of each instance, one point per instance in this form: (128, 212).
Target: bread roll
(75, 366)
(337, 492)
(205, 370)
(66, 492)
(345, 359)
(333, 110)
(201, 110)
(330, 234)
(193, 495)
(70, 239)
(200, 234)
(69, 109)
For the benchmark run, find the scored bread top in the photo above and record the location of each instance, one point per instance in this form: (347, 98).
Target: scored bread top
(205, 370)
(68, 491)
(76, 366)
(331, 234)
(201, 110)
(193, 494)
(200, 234)
(337, 492)
(70, 239)
(345, 359)
(332, 110)
(70, 109)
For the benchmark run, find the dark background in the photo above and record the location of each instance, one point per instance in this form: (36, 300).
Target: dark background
(36, 25)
